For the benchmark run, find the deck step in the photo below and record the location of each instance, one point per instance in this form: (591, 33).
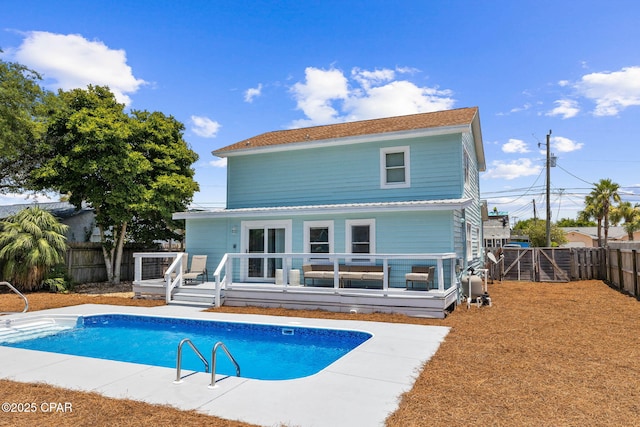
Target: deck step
(191, 304)
(194, 296)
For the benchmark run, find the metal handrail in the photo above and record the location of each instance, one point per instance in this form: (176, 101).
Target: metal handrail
(26, 303)
(179, 359)
(221, 345)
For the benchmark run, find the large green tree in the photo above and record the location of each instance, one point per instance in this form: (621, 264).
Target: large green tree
(598, 206)
(31, 243)
(134, 170)
(20, 99)
(537, 231)
(169, 182)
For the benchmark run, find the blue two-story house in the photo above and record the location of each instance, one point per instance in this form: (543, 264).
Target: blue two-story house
(350, 209)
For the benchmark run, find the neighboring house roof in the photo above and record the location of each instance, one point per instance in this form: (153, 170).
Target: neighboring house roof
(615, 233)
(449, 121)
(422, 205)
(60, 210)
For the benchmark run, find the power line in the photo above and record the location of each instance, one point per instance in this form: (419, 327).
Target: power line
(576, 177)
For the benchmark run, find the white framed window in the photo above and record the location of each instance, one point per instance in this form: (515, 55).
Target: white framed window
(318, 238)
(478, 246)
(360, 236)
(467, 166)
(474, 248)
(395, 167)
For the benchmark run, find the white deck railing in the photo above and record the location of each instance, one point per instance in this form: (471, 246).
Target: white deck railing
(236, 265)
(174, 269)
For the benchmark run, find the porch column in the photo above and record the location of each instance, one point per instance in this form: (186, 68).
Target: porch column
(137, 270)
(440, 267)
(385, 275)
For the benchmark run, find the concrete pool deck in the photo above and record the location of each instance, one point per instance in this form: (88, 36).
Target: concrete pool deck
(361, 388)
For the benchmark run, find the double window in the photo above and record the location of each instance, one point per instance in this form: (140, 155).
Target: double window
(394, 167)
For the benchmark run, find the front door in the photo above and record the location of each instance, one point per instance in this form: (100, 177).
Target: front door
(271, 237)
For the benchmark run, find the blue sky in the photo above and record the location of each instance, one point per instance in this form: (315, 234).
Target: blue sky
(230, 70)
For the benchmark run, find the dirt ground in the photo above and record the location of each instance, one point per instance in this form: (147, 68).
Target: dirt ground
(545, 354)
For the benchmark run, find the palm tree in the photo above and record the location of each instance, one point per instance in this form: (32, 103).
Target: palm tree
(630, 214)
(599, 204)
(592, 209)
(31, 241)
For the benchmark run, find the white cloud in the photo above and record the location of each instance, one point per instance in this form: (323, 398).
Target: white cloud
(611, 91)
(69, 61)
(566, 108)
(515, 146)
(252, 93)
(326, 96)
(525, 107)
(205, 127)
(372, 78)
(511, 170)
(396, 98)
(316, 96)
(219, 163)
(565, 145)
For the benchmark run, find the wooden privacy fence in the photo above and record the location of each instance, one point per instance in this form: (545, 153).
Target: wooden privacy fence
(550, 264)
(85, 263)
(622, 270)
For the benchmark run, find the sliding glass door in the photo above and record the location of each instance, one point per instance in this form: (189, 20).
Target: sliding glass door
(269, 237)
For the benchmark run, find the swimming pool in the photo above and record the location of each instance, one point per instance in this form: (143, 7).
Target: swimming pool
(267, 352)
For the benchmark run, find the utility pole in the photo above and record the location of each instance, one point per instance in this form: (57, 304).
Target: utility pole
(535, 215)
(548, 191)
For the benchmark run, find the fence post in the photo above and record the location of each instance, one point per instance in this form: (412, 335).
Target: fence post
(620, 276)
(634, 254)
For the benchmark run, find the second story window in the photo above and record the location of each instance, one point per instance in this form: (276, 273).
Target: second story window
(467, 165)
(394, 167)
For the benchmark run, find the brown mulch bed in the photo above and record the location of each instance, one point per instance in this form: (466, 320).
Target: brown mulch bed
(545, 354)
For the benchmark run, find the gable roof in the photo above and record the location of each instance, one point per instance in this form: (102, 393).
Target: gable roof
(466, 117)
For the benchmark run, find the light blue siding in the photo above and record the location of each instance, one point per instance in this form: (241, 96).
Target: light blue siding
(343, 174)
(402, 232)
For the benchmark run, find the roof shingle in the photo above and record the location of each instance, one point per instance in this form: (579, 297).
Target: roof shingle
(460, 116)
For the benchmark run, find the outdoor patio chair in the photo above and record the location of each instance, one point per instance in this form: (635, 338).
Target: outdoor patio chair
(420, 274)
(198, 268)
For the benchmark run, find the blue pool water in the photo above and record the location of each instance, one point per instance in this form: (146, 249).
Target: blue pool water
(267, 352)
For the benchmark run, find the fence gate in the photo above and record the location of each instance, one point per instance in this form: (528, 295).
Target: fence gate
(519, 264)
(554, 265)
(549, 264)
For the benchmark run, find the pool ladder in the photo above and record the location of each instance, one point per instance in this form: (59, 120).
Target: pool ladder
(26, 303)
(214, 351)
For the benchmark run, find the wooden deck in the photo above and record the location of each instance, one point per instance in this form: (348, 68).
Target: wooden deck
(386, 294)
(413, 303)
(420, 303)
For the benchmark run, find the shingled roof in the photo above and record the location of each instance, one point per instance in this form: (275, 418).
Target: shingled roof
(457, 117)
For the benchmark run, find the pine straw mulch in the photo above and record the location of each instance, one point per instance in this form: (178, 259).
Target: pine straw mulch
(545, 354)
